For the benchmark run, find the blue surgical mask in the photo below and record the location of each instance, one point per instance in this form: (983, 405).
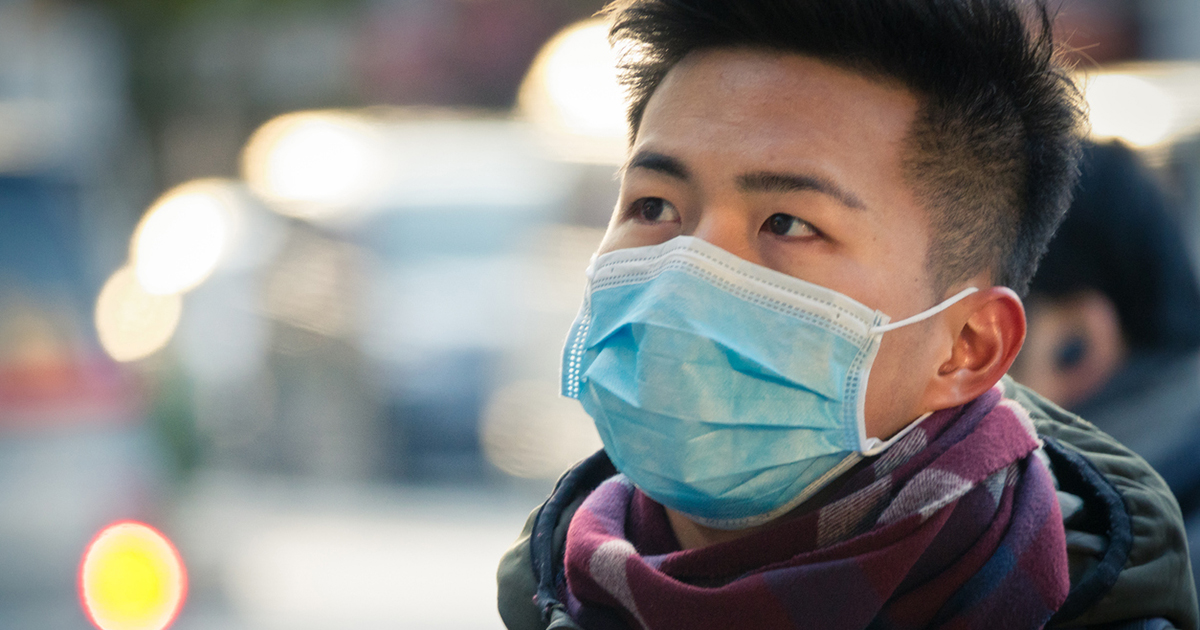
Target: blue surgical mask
(724, 390)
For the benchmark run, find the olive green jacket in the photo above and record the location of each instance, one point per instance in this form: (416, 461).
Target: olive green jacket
(1140, 577)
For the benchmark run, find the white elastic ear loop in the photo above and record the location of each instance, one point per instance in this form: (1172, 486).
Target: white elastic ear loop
(875, 446)
(926, 314)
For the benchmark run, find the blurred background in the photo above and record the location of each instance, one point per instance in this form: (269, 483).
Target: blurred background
(288, 279)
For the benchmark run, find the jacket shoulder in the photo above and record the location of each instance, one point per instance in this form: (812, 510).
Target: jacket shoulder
(1156, 577)
(516, 586)
(517, 582)
(531, 573)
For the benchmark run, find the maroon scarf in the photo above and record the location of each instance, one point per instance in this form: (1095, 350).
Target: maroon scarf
(955, 526)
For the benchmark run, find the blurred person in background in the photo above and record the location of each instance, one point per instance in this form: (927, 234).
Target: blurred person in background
(777, 455)
(1114, 321)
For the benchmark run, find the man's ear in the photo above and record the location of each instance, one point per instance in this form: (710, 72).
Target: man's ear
(988, 328)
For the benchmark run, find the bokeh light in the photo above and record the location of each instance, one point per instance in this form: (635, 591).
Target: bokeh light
(132, 578)
(1129, 107)
(179, 242)
(528, 430)
(131, 322)
(312, 165)
(572, 94)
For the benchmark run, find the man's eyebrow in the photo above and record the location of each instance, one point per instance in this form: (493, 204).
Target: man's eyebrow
(788, 182)
(659, 163)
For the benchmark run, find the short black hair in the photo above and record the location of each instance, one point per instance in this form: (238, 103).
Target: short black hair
(993, 151)
(1122, 239)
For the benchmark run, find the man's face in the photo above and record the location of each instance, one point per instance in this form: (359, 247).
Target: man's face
(795, 165)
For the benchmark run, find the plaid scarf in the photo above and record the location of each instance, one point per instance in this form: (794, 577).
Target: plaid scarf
(955, 526)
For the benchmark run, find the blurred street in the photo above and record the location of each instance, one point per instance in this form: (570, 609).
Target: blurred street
(266, 553)
(271, 553)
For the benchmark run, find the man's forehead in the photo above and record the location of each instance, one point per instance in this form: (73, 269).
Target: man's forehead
(748, 112)
(742, 70)
(777, 96)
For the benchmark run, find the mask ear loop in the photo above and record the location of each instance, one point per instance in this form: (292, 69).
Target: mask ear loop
(923, 315)
(590, 272)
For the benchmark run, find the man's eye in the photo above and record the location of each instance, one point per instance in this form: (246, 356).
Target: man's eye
(788, 225)
(654, 210)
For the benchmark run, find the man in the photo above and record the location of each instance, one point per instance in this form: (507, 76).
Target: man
(795, 332)
(1114, 321)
